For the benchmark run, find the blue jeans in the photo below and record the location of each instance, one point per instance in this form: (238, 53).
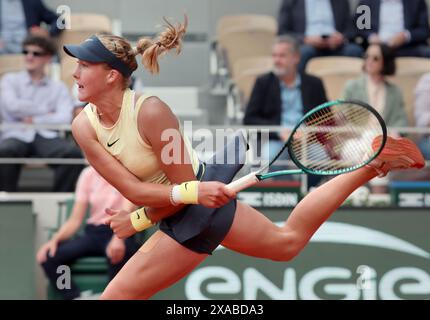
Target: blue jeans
(413, 51)
(308, 52)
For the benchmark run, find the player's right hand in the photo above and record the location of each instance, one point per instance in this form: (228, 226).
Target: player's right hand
(214, 194)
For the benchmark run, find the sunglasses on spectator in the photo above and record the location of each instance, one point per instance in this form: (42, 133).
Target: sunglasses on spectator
(373, 57)
(34, 53)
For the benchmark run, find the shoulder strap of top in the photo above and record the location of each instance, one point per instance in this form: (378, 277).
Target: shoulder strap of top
(92, 115)
(140, 101)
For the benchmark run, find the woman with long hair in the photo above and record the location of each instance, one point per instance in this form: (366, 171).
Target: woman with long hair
(123, 140)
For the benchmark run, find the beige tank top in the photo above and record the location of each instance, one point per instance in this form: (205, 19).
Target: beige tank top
(125, 143)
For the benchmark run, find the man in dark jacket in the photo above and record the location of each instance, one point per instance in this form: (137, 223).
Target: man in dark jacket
(282, 97)
(323, 28)
(402, 25)
(18, 18)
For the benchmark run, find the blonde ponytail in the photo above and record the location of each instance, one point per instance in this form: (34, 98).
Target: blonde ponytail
(170, 38)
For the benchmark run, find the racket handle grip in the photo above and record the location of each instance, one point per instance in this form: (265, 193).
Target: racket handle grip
(243, 183)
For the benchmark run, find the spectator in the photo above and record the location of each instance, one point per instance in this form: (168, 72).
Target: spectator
(283, 96)
(92, 192)
(373, 88)
(31, 97)
(323, 28)
(402, 25)
(19, 18)
(422, 112)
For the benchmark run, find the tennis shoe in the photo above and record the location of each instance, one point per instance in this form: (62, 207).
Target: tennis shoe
(398, 154)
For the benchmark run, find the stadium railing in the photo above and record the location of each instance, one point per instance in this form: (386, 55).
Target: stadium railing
(199, 133)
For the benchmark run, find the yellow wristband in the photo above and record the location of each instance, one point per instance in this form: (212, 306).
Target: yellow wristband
(139, 220)
(189, 192)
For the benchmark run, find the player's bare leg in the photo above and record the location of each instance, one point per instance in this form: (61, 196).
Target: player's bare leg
(255, 235)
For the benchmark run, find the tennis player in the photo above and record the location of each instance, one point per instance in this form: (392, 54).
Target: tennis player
(122, 139)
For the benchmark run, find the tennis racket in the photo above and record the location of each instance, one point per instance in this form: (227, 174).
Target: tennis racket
(333, 138)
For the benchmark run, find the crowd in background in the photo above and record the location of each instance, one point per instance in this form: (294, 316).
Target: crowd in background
(307, 29)
(316, 28)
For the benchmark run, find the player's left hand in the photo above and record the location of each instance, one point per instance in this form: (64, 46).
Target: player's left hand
(120, 223)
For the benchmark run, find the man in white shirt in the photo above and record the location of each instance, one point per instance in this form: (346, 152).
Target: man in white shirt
(402, 25)
(323, 28)
(18, 18)
(30, 96)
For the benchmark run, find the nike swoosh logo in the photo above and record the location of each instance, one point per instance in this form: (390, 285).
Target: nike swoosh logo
(138, 216)
(185, 186)
(111, 144)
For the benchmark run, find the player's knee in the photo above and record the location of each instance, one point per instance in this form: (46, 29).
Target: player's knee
(290, 247)
(285, 255)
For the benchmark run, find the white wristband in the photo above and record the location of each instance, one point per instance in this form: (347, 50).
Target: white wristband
(176, 195)
(186, 193)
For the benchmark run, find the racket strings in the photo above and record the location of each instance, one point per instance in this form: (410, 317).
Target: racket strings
(336, 138)
(339, 119)
(328, 131)
(332, 155)
(328, 157)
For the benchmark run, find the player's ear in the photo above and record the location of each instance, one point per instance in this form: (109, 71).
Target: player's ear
(113, 76)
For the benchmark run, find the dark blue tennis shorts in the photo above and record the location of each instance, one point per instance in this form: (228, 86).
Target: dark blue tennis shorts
(199, 228)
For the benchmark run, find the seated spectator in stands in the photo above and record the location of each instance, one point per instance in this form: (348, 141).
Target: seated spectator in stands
(31, 97)
(372, 86)
(19, 18)
(401, 24)
(422, 112)
(323, 28)
(282, 97)
(95, 193)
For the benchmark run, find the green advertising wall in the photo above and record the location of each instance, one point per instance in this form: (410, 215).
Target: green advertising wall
(357, 254)
(17, 262)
